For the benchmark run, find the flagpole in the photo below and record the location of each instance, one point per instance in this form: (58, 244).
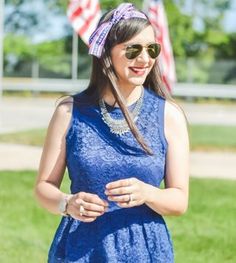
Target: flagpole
(2, 3)
(74, 55)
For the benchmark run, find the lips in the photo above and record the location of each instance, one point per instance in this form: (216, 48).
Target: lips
(138, 70)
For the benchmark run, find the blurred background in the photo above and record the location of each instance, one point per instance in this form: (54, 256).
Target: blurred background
(42, 58)
(38, 40)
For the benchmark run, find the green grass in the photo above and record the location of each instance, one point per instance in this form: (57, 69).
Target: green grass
(212, 137)
(202, 137)
(30, 94)
(26, 229)
(33, 137)
(205, 234)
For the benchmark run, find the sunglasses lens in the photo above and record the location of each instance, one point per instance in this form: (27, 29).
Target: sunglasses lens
(133, 51)
(154, 50)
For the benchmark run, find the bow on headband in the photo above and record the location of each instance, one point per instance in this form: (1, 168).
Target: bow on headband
(99, 36)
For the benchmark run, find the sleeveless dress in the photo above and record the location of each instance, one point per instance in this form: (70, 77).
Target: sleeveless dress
(95, 157)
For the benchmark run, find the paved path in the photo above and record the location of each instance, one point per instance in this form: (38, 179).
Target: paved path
(25, 113)
(213, 164)
(22, 114)
(203, 164)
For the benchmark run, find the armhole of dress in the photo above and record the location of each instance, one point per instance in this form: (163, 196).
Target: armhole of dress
(162, 122)
(70, 126)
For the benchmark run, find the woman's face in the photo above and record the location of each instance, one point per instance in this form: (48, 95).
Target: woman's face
(133, 72)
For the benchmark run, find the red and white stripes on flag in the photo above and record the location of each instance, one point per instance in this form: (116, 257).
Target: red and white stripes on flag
(84, 16)
(156, 14)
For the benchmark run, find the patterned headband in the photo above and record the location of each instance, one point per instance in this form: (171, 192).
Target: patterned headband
(99, 36)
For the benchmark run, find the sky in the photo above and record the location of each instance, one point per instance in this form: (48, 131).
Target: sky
(229, 22)
(230, 19)
(50, 25)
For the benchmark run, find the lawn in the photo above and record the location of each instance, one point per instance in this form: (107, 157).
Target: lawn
(212, 137)
(202, 137)
(33, 137)
(205, 234)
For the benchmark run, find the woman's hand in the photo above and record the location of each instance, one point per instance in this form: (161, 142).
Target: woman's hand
(127, 192)
(86, 207)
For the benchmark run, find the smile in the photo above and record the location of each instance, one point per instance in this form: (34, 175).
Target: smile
(138, 71)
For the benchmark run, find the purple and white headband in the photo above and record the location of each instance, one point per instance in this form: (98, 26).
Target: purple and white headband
(98, 38)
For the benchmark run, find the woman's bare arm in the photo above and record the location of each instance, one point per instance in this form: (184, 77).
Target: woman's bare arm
(52, 168)
(52, 163)
(173, 200)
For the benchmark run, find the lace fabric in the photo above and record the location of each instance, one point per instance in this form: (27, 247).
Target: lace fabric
(95, 157)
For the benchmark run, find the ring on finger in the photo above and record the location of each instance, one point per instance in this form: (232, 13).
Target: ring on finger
(131, 198)
(81, 210)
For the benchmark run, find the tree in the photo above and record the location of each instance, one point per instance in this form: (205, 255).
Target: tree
(181, 31)
(27, 17)
(205, 43)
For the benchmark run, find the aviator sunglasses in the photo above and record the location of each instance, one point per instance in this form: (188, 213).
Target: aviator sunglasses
(132, 51)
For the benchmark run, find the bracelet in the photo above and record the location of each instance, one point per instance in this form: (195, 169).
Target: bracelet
(63, 204)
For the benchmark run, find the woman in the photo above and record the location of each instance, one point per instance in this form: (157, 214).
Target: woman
(119, 139)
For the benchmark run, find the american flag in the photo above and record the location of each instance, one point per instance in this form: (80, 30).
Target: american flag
(156, 14)
(84, 16)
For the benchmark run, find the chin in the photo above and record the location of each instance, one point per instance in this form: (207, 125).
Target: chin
(137, 81)
(133, 82)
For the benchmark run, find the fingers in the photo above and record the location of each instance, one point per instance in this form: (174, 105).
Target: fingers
(90, 209)
(127, 199)
(119, 198)
(86, 207)
(120, 183)
(119, 191)
(91, 199)
(120, 187)
(126, 193)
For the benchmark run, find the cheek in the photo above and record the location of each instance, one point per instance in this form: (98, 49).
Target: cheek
(152, 62)
(151, 65)
(120, 65)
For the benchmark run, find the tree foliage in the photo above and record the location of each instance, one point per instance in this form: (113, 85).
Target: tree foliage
(206, 44)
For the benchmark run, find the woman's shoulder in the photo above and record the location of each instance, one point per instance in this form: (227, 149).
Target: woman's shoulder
(63, 112)
(174, 112)
(65, 105)
(61, 117)
(68, 104)
(175, 120)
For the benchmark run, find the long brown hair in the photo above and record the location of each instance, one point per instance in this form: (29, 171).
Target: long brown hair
(103, 73)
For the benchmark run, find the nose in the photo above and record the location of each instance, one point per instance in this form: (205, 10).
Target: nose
(144, 56)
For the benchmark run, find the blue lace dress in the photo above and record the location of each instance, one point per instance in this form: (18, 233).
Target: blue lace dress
(96, 157)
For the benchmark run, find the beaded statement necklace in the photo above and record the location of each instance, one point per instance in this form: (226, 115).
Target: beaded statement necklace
(120, 126)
